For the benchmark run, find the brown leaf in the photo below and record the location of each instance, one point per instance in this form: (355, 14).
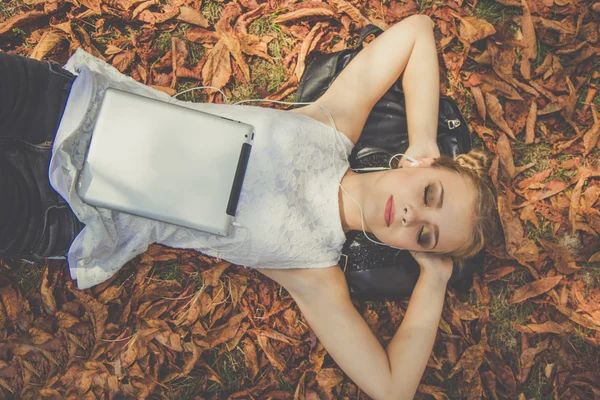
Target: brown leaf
(436, 392)
(274, 358)
(97, 311)
(211, 276)
(591, 95)
(562, 257)
(170, 340)
(110, 50)
(497, 114)
(39, 336)
(254, 45)
(329, 378)
(227, 331)
(46, 290)
(490, 83)
(343, 6)
(590, 138)
(546, 327)
(554, 25)
(528, 252)
(201, 35)
(513, 230)
(534, 289)
(529, 39)
(20, 19)
(251, 358)
(471, 359)
(547, 190)
(93, 5)
(47, 42)
(498, 273)
(527, 359)
(154, 18)
(515, 115)
(304, 12)
(489, 381)
(473, 29)
(505, 153)
(273, 334)
(192, 16)
(123, 60)
(569, 101)
(531, 118)
(594, 258)
(479, 102)
(581, 319)
(306, 43)
(535, 179)
(474, 389)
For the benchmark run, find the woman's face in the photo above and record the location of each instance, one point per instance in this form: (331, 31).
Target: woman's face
(430, 209)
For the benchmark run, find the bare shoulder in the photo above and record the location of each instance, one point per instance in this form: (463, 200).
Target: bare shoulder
(306, 280)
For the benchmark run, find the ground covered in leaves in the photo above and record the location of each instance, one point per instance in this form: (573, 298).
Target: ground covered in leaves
(178, 325)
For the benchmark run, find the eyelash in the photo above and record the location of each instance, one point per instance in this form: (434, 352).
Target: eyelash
(419, 237)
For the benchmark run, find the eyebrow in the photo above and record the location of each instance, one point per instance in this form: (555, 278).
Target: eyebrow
(441, 195)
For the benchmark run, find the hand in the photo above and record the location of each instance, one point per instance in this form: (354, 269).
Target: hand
(434, 265)
(425, 155)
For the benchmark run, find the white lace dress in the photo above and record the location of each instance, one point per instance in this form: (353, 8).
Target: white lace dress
(289, 199)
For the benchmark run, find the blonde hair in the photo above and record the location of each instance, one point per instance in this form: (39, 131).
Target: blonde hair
(474, 167)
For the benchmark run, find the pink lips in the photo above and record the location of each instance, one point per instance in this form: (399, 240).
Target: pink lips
(389, 211)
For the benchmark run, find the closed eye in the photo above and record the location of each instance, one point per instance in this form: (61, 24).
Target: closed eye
(425, 193)
(424, 237)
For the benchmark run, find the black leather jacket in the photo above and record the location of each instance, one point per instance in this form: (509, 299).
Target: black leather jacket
(374, 271)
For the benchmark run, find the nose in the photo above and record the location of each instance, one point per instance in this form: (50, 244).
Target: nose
(408, 214)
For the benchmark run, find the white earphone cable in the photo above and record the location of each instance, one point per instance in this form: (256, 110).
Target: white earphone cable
(337, 140)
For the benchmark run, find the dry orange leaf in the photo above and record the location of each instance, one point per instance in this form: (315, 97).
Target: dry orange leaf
(582, 319)
(479, 102)
(251, 358)
(473, 29)
(497, 114)
(564, 261)
(527, 359)
(274, 357)
(303, 13)
(594, 258)
(19, 19)
(122, 60)
(535, 288)
(343, 6)
(530, 126)
(329, 377)
(529, 39)
(590, 138)
(471, 359)
(48, 41)
(513, 230)
(498, 273)
(192, 16)
(505, 153)
(546, 327)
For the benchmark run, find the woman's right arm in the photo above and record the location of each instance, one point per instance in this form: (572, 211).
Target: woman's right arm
(324, 300)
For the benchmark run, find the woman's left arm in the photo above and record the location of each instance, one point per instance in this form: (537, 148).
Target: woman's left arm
(406, 49)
